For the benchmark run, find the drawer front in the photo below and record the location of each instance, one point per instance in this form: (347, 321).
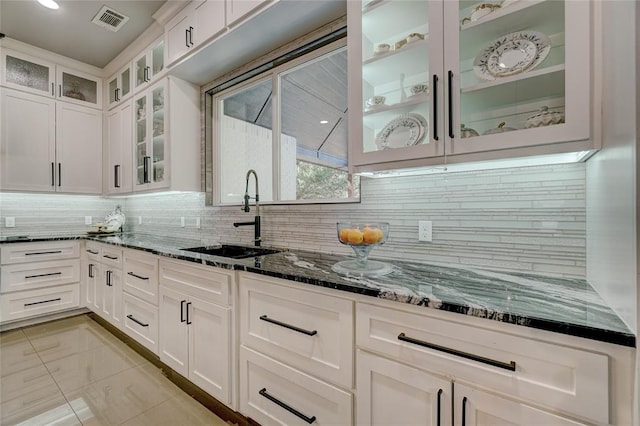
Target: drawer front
(141, 321)
(267, 386)
(29, 276)
(141, 276)
(93, 250)
(111, 256)
(205, 283)
(307, 330)
(37, 252)
(564, 378)
(24, 304)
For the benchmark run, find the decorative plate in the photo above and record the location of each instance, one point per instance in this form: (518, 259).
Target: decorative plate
(405, 130)
(512, 54)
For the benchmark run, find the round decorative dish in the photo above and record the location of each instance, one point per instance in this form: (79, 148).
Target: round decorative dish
(512, 54)
(544, 117)
(405, 130)
(466, 132)
(500, 129)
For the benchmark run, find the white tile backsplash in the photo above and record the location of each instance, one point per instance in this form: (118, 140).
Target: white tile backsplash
(526, 219)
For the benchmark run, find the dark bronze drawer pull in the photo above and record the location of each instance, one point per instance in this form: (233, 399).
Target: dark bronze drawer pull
(439, 408)
(137, 276)
(290, 409)
(91, 251)
(290, 327)
(44, 301)
(42, 252)
(511, 366)
(464, 411)
(137, 321)
(110, 257)
(43, 275)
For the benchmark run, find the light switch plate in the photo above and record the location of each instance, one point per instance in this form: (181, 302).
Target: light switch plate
(10, 222)
(425, 230)
(87, 220)
(197, 222)
(182, 223)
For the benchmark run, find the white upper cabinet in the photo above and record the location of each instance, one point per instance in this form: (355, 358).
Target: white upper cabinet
(148, 66)
(119, 87)
(30, 74)
(238, 9)
(119, 149)
(514, 76)
(194, 25)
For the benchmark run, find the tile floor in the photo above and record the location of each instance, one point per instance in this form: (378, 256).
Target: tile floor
(74, 372)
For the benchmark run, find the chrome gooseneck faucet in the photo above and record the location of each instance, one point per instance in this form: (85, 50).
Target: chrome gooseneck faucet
(256, 222)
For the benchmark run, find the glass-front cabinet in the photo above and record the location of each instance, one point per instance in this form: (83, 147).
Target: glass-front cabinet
(150, 114)
(34, 75)
(435, 78)
(149, 64)
(119, 86)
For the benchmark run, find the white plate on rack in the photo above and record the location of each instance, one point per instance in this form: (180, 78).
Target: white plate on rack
(405, 130)
(511, 54)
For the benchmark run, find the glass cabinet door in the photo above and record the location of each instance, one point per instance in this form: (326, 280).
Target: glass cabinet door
(141, 150)
(141, 71)
(401, 52)
(79, 87)
(519, 68)
(157, 97)
(149, 64)
(26, 73)
(119, 86)
(157, 59)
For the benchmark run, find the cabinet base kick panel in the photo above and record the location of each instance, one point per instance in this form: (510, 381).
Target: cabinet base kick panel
(274, 393)
(23, 304)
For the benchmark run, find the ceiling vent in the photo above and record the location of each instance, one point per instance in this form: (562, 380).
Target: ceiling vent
(110, 19)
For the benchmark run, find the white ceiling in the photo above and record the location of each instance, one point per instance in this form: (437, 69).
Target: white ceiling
(68, 31)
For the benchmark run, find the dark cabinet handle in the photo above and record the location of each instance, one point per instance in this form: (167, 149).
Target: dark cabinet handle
(290, 327)
(450, 76)
(146, 73)
(287, 407)
(186, 37)
(110, 257)
(511, 366)
(191, 36)
(59, 90)
(435, 108)
(53, 89)
(109, 279)
(188, 319)
(137, 276)
(34, 253)
(137, 321)
(91, 270)
(91, 251)
(53, 174)
(43, 275)
(44, 301)
(464, 411)
(116, 92)
(438, 412)
(116, 176)
(182, 302)
(59, 174)
(146, 169)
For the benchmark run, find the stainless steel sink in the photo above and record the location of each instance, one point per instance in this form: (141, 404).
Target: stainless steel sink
(231, 251)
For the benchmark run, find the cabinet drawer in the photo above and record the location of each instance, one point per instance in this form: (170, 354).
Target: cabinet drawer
(93, 250)
(36, 252)
(206, 283)
(310, 331)
(111, 256)
(141, 321)
(267, 386)
(141, 275)
(565, 378)
(29, 276)
(23, 304)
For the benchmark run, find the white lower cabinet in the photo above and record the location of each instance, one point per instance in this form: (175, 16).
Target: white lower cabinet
(102, 276)
(140, 321)
(38, 278)
(195, 328)
(273, 393)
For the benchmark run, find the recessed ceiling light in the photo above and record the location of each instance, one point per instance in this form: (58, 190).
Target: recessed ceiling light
(324, 122)
(51, 4)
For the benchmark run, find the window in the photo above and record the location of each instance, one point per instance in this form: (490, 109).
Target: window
(289, 124)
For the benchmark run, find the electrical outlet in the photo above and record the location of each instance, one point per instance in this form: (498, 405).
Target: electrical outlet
(87, 220)
(139, 220)
(197, 222)
(424, 230)
(182, 222)
(10, 222)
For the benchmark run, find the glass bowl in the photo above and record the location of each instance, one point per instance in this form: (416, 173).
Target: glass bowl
(362, 237)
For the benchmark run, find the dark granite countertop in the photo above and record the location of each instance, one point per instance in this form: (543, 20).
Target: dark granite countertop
(563, 305)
